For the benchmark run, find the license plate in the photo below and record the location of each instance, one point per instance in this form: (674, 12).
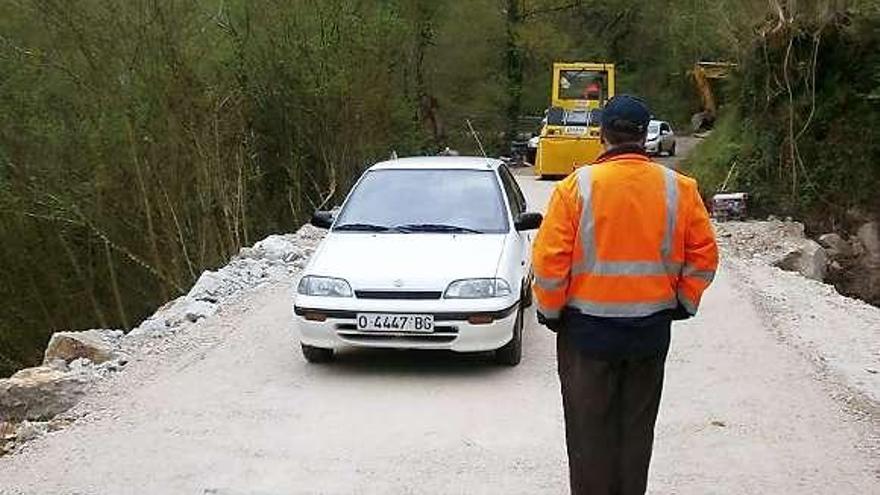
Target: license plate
(376, 322)
(576, 130)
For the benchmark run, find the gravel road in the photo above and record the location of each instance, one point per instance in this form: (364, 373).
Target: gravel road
(231, 408)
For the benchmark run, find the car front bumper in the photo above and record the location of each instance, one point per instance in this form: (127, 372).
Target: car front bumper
(652, 146)
(452, 330)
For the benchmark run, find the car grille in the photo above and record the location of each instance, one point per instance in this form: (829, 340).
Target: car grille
(438, 316)
(408, 339)
(397, 294)
(351, 327)
(441, 334)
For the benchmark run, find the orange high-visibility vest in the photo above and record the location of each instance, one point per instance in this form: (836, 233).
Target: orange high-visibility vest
(624, 238)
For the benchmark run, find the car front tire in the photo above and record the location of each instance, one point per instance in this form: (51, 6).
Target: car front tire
(317, 354)
(511, 353)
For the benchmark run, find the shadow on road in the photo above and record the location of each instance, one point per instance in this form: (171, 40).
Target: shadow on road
(393, 362)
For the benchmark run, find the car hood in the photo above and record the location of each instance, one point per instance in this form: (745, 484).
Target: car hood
(407, 261)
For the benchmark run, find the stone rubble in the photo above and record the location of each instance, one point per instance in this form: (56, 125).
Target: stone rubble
(30, 430)
(275, 258)
(42, 392)
(75, 361)
(839, 333)
(863, 276)
(810, 260)
(835, 245)
(96, 345)
(851, 264)
(13, 435)
(768, 241)
(869, 237)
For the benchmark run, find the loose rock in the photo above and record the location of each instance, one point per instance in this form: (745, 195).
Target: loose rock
(96, 345)
(810, 260)
(29, 430)
(869, 237)
(152, 327)
(7, 437)
(40, 393)
(196, 310)
(277, 248)
(835, 245)
(209, 288)
(74, 360)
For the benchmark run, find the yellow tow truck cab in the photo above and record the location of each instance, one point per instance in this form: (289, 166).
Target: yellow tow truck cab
(570, 136)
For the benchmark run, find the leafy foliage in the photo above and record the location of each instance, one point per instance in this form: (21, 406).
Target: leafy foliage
(802, 125)
(142, 142)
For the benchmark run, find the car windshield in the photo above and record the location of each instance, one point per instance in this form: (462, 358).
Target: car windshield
(654, 128)
(410, 200)
(583, 85)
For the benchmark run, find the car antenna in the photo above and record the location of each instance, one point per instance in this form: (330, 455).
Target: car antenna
(476, 137)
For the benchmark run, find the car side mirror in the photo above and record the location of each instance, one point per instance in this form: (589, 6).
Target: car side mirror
(322, 219)
(528, 221)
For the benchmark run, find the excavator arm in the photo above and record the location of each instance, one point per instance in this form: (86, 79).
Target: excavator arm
(702, 73)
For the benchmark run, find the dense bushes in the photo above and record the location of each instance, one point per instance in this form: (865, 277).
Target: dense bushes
(141, 142)
(803, 121)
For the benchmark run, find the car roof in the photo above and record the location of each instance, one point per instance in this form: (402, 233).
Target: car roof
(439, 162)
(658, 122)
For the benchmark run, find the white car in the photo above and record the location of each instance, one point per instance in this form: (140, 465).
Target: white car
(661, 138)
(425, 253)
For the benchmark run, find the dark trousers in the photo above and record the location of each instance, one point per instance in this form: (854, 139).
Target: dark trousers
(610, 410)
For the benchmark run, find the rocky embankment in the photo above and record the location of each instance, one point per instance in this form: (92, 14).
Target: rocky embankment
(34, 400)
(780, 268)
(788, 277)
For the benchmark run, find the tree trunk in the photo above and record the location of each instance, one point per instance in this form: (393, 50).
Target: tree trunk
(514, 65)
(427, 103)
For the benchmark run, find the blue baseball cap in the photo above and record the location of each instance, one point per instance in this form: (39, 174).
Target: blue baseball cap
(626, 113)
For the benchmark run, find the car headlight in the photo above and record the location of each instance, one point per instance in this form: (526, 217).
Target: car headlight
(477, 288)
(324, 287)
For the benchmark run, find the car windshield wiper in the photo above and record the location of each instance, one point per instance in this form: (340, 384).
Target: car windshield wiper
(436, 227)
(361, 227)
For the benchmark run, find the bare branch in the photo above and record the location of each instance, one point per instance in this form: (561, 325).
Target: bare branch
(551, 10)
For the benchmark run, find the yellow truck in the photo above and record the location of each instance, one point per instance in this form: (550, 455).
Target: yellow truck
(570, 135)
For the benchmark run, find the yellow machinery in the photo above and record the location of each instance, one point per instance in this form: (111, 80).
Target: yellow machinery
(703, 73)
(570, 136)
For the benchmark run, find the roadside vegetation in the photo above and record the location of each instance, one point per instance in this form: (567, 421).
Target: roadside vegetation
(801, 127)
(142, 142)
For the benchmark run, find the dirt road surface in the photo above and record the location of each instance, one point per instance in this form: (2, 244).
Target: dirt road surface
(232, 408)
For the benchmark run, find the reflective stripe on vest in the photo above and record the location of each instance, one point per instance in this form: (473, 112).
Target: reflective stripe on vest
(691, 271)
(671, 212)
(622, 310)
(550, 284)
(590, 265)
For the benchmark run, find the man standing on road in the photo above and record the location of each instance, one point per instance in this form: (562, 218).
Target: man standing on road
(626, 247)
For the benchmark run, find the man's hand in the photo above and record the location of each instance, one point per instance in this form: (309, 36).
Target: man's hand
(679, 313)
(554, 324)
